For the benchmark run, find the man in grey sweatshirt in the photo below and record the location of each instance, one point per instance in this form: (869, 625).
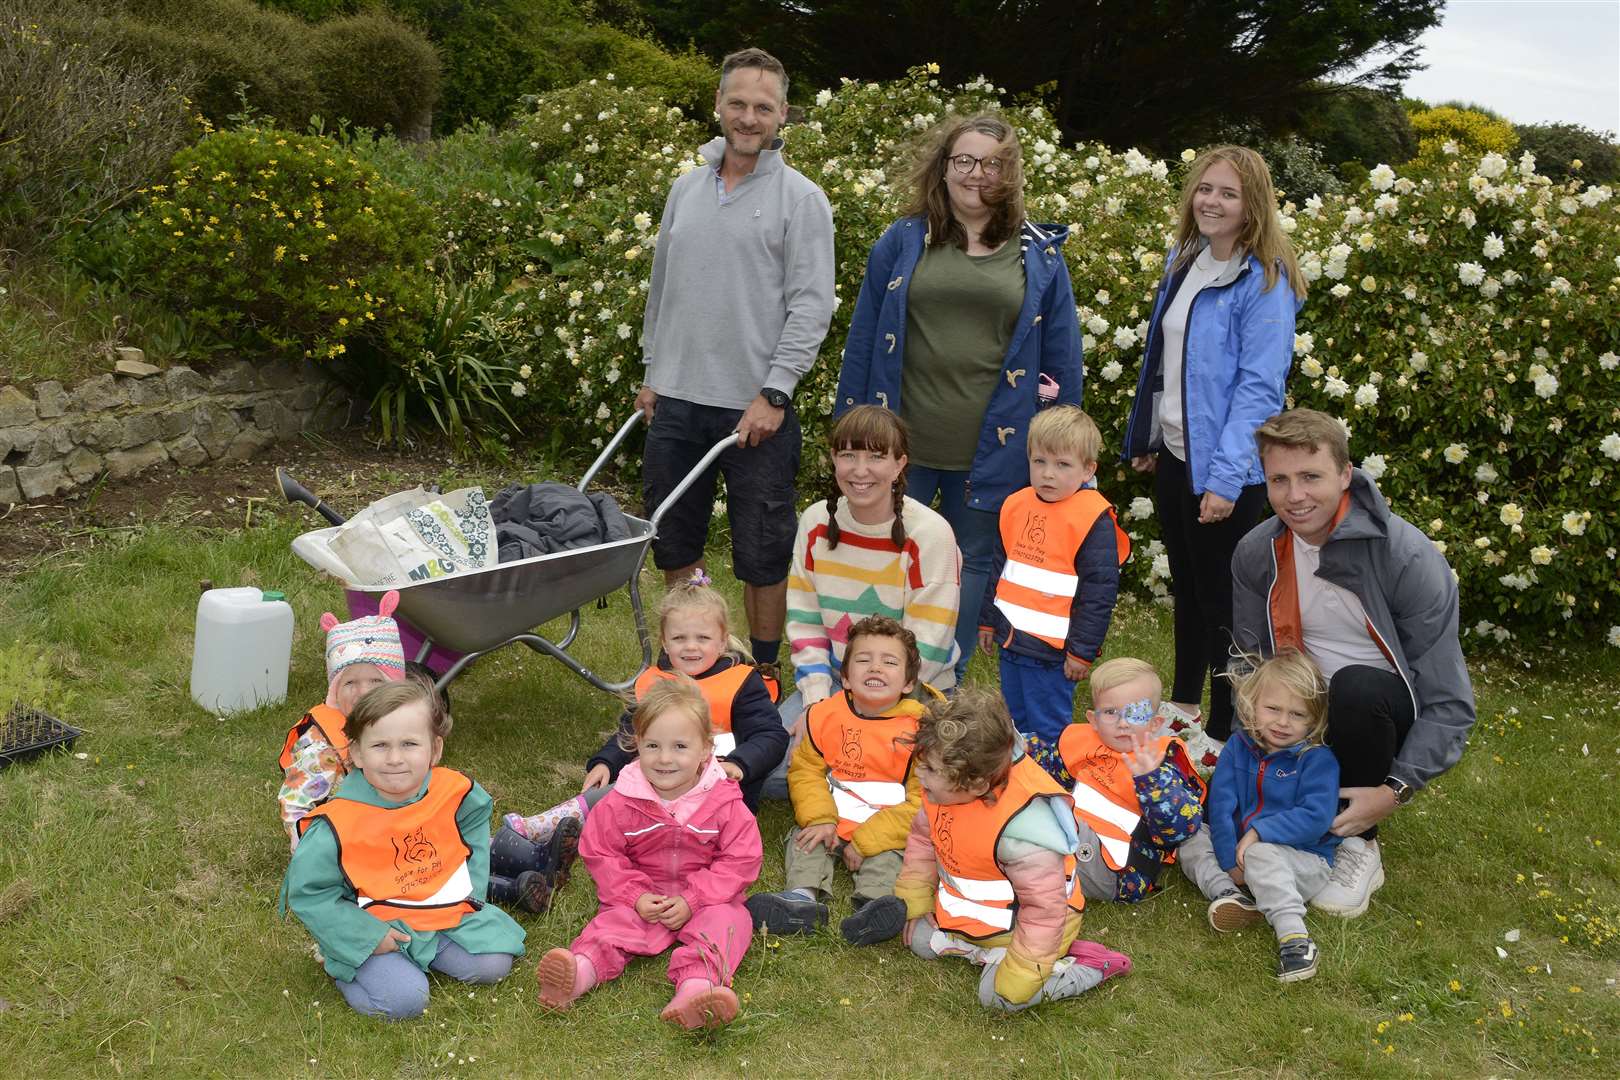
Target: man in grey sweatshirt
(740, 299)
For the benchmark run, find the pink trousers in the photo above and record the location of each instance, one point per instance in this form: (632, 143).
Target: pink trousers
(711, 946)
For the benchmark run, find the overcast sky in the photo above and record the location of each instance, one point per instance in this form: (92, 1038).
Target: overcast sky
(1533, 61)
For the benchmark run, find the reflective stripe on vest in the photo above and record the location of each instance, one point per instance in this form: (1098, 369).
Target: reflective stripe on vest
(719, 691)
(857, 801)
(1037, 586)
(974, 898)
(329, 722)
(405, 862)
(867, 764)
(1105, 791)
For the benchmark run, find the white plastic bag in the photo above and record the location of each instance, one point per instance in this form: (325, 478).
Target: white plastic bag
(415, 536)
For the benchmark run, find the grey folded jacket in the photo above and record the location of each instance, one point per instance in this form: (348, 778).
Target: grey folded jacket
(540, 519)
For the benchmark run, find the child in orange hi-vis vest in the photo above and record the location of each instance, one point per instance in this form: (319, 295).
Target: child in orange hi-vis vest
(854, 792)
(989, 870)
(390, 873)
(1054, 582)
(360, 654)
(1137, 797)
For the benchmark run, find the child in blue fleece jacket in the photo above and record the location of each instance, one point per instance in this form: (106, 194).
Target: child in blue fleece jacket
(1266, 849)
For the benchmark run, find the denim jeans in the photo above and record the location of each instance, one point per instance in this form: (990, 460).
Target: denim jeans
(975, 536)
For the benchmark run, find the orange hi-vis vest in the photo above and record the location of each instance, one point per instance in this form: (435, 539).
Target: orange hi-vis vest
(867, 765)
(405, 862)
(719, 690)
(1038, 583)
(329, 722)
(975, 899)
(1105, 791)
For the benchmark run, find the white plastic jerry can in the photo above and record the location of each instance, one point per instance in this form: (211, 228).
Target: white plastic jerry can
(242, 650)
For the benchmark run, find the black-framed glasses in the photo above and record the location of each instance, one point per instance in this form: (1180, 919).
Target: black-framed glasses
(964, 163)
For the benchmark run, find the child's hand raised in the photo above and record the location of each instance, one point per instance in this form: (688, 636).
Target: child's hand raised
(1144, 756)
(809, 837)
(676, 913)
(391, 941)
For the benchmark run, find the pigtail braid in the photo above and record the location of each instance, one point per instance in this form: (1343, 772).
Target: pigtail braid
(897, 531)
(833, 495)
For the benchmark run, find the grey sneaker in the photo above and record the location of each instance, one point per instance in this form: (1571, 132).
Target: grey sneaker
(1233, 910)
(1358, 872)
(782, 914)
(1296, 959)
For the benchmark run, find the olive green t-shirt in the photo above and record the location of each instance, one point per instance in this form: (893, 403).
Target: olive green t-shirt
(960, 314)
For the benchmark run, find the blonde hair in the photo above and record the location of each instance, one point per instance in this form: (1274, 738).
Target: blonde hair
(878, 431)
(1304, 429)
(390, 697)
(931, 199)
(1262, 235)
(1294, 672)
(968, 739)
(1121, 670)
(1066, 428)
(695, 594)
(679, 693)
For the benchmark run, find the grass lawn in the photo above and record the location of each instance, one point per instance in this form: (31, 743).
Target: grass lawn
(138, 888)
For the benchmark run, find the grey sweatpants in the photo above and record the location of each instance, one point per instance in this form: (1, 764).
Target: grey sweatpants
(813, 870)
(1280, 878)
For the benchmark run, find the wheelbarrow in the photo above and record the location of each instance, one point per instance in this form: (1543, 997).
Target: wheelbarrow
(476, 613)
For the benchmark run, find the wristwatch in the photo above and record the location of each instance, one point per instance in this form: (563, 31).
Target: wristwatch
(775, 398)
(1403, 791)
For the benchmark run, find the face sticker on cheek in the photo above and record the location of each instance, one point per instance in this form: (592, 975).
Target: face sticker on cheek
(1138, 713)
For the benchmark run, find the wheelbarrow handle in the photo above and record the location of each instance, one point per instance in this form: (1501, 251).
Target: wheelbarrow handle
(607, 451)
(294, 492)
(691, 478)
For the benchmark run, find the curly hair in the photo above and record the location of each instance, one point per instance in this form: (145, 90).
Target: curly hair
(930, 196)
(1292, 671)
(883, 626)
(1262, 234)
(878, 431)
(968, 739)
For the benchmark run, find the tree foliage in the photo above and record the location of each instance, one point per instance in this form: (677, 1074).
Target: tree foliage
(1558, 146)
(1125, 72)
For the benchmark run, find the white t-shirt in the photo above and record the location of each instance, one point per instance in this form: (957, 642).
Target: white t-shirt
(1205, 268)
(1332, 619)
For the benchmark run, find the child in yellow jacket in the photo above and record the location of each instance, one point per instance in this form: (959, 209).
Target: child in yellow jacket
(854, 794)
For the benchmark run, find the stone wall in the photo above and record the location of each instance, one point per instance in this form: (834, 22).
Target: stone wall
(54, 439)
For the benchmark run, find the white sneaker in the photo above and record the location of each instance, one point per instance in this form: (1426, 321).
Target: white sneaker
(1204, 750)
(1358, 872)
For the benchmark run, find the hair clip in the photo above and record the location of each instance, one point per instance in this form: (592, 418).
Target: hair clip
(1138, 713)
(700, 579)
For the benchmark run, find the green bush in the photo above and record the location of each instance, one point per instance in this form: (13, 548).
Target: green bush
(1558, 146)
(1479, 381)
(1357, 123)
(376, 72)
(1448, 130)
(1297, 168)
(228, 48)
(81, 126)
(279, 242)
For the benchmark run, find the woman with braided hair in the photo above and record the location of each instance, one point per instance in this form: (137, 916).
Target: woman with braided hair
(868, 549)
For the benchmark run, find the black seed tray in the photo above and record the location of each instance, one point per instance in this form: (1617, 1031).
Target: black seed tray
(26, 732)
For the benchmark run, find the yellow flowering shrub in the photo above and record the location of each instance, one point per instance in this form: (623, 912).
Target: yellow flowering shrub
(284, 243)
(1464, 131)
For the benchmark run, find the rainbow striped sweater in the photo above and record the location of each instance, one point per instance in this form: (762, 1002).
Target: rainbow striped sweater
(830, 589)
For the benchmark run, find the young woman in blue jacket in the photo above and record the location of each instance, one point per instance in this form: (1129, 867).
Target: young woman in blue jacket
(965, 306)
(1218, 349)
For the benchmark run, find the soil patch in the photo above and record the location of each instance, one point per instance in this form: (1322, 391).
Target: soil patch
(346, 469)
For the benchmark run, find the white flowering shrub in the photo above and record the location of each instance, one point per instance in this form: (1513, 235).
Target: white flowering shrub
(1462, 317)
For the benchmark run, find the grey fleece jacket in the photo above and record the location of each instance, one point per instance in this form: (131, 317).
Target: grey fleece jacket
(1410, 595)
(741, 294)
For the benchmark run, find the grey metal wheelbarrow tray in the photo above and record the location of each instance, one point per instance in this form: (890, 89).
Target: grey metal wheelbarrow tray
(478, 612)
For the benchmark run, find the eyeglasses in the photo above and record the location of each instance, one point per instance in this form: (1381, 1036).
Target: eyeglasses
(963, 164)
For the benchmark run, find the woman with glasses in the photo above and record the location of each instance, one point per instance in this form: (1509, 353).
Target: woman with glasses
(1218, 348)
(966, 314)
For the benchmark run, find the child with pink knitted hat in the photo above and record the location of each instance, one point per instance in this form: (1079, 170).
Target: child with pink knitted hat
(360, 654)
